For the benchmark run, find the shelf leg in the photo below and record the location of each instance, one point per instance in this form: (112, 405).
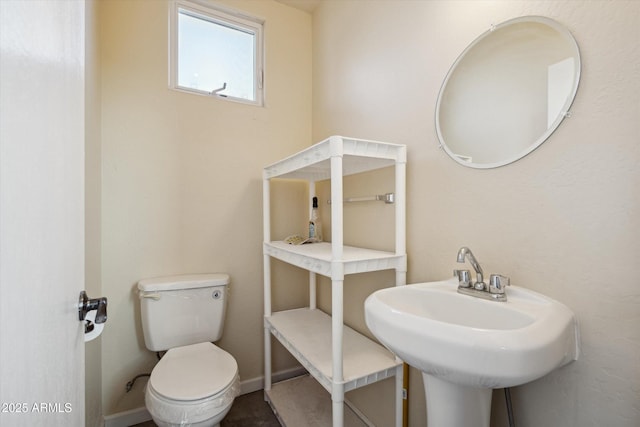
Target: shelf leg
(267, 359)
(337, 391)
(337, 398)
(266, 207)
(267, 331)
(312, 291)
(401, 205)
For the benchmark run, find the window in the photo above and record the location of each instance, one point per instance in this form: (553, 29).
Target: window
(215, 52)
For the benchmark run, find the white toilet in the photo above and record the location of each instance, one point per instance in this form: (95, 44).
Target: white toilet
(195, 382)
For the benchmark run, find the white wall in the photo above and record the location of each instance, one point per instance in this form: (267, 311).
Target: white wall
(92, 196)
(563, 221)
(182, 180)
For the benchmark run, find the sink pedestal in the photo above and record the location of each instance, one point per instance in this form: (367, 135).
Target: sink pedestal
(454, 405)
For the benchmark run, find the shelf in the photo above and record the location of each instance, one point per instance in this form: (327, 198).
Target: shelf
(306, 333)
(359, 155)
(316, 257)
(322, 343)
(302, 402)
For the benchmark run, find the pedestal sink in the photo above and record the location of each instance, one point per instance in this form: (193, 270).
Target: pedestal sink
(467, 346)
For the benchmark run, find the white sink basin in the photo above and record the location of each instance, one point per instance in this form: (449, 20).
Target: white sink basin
(471, 342)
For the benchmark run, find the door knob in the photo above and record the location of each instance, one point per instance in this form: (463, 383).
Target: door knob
(85, 305)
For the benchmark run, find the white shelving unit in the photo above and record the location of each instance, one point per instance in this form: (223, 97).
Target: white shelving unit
(338, 357)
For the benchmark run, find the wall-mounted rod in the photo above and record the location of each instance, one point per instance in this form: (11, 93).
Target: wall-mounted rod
(387, 198)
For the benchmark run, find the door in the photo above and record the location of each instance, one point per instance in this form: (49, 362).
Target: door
(41, 212)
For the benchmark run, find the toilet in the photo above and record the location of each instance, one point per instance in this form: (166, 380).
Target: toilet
(195, 382)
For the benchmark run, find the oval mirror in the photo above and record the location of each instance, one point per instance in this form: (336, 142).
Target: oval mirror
(507, 92)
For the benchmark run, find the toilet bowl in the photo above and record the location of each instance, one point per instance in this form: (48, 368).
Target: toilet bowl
(193, 385)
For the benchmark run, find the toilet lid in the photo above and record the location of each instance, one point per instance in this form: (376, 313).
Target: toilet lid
(193, 372)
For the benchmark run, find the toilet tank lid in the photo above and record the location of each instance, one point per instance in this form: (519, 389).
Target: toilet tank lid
(186, 281)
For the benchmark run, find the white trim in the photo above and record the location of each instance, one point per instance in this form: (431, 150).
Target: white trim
(257, 383)
(359, 413)
(127, 418)
(140, 415)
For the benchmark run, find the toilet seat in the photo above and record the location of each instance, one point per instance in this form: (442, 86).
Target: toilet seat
(192, 383)
(193, 372)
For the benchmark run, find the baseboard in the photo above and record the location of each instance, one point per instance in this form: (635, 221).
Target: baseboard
(127, 418)
(140, 415)
(255, 384)
(359, 413)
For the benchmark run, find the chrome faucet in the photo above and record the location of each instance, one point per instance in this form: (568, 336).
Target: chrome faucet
(465, 252)
(495, 290)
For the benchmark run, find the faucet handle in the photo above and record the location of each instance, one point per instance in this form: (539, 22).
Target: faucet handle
(464, 278)
(497, 283)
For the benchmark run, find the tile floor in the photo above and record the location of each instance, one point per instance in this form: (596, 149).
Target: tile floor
(248, 410)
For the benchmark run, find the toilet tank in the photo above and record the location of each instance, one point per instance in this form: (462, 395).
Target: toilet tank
(182, 310)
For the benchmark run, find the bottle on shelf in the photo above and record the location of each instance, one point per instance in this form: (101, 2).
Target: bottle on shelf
(315, 226)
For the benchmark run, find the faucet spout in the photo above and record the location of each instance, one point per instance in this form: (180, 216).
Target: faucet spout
(465, 253)
(493, 291)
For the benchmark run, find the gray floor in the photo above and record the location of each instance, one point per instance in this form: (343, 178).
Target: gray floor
(248, 410)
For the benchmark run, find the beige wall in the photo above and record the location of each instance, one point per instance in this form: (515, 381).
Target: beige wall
(182, 179)
(181, 189)
(563, 221)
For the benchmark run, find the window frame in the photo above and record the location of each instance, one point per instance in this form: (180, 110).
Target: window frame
(220, 16)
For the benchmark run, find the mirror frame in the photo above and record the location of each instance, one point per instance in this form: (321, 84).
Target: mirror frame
(565, 108)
